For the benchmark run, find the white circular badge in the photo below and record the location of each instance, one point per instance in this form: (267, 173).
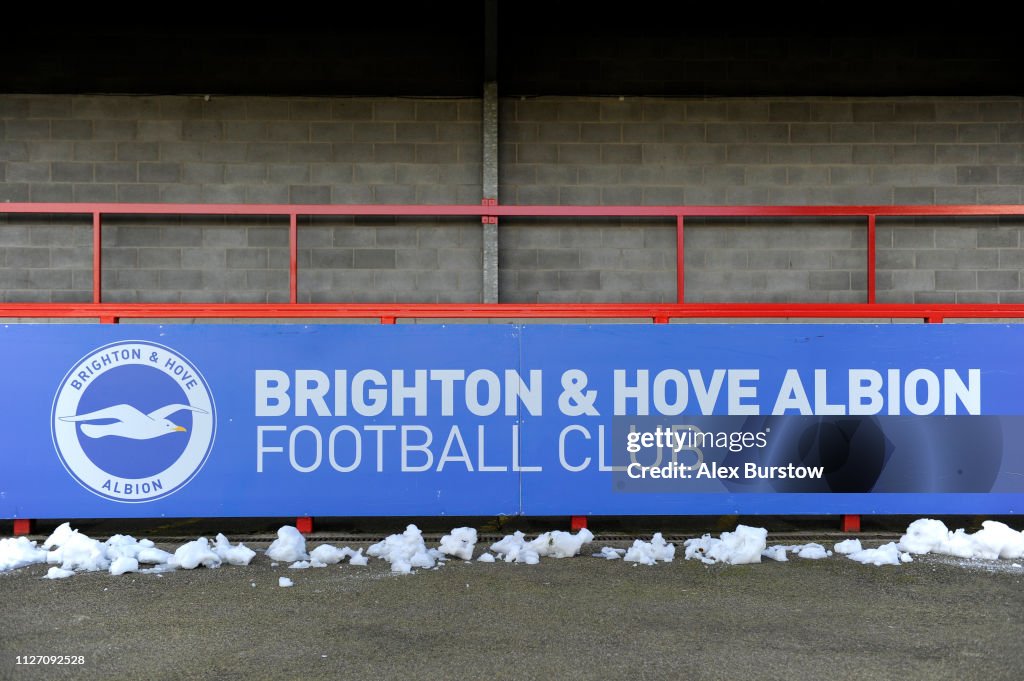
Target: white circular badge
(133, 421)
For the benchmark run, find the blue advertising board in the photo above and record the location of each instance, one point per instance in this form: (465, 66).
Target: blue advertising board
(348, 420)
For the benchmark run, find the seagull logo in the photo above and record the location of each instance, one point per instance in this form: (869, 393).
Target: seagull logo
(129, 422)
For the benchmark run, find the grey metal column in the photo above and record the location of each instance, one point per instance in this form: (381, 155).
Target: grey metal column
(489, 124)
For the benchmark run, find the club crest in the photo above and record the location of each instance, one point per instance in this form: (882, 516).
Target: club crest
(133, 421)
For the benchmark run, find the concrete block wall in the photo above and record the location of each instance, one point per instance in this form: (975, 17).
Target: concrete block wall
(244, 150)
(768, 152)
(553, 150)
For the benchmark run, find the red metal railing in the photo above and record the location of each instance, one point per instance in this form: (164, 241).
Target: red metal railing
(388, 313)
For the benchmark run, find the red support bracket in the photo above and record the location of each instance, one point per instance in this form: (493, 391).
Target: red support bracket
(661, 319)
(489, 219)
(109, 319)
(387, 320)
(22, 526)
(304, 525)
(850, 523)
(577, 523)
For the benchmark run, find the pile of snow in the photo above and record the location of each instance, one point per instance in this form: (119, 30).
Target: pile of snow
(123, 564)
(327, 554)
(608, 553)
(58, 573)
(284, 581)
(810, 551)
(994, 540)
(17, 552)
(460, 543)
(69, 551)
(887, 554)
(239, 554)
(289, 546)
(740, 547)
(560, 544)
(486, 558)
(406, 551)
(776, 553)
(648, 553)
(513, 548)
(72, 550)
(195, 553)
(848, 546)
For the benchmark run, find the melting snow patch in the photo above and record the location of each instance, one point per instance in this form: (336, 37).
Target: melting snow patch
(406, 551)
(887, 554)
(485, 558)
(57, 573)
(848, 546)
(17, 552)
(289, 546)
(232, 555)
(513, 548)
(560, 544)
(648, 553)
(75, 551)
(811, 551)
(776, 553)
(284, 581)
(331, 555)
(195, 553)
(123, 564)
(154, 556)
(299, 565)
(608, 553)
(994, 540)
(740, 547)
(459, 543)
(358, 558)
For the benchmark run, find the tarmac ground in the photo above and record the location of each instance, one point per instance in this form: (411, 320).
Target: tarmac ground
(574, 618)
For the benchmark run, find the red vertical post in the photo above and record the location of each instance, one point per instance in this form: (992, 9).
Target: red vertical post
(577, 523)
(304, 525)
(22, 526)
(293, 258)
(850, 523)
(871, 258)
(97, 258)
(680, 262)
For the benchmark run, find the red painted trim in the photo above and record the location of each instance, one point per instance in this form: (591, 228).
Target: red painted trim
(293, 258)
(680, 261)
(577, 523)
(871, 258)
(505, 210)
(391, 311)
(22, 526)
(386, 312)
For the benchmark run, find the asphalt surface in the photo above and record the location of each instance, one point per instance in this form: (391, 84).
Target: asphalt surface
(577, 618)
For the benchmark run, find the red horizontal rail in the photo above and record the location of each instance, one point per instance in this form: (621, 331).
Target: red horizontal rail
(511, 311)
(389, 312)
(506, 211)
